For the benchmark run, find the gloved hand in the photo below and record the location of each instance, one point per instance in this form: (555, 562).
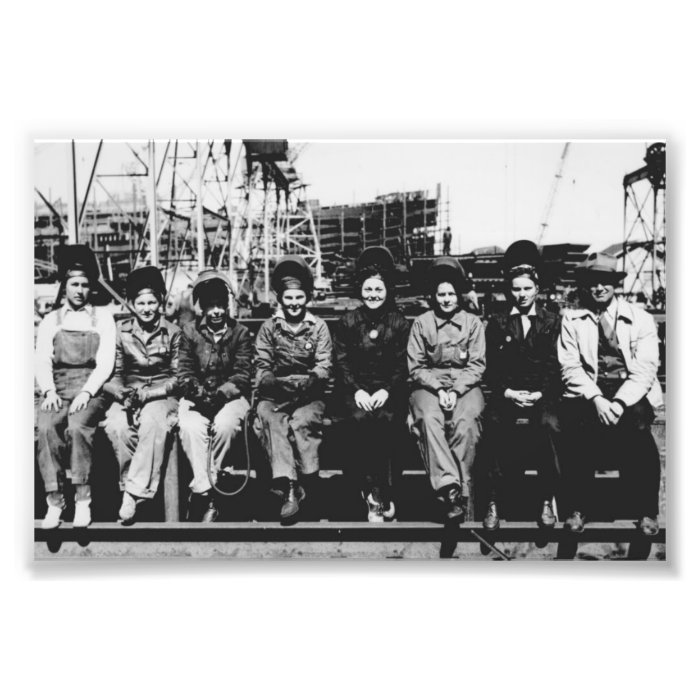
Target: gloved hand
(190, 389)
(130, 399)
(268, 381)
(209, 402)
(310, 385)
(132, 405)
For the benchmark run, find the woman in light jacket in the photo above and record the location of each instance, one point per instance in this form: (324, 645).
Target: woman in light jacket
(446, 361)
(143, 386)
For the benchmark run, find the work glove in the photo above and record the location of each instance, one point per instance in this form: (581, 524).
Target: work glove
(311, 385)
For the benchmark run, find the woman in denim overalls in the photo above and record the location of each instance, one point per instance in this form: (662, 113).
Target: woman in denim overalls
(293, 355)
(74, 357)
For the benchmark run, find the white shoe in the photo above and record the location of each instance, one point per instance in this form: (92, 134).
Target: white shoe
(375, 511)
(127, 512)
(52, 519)
(82, 517)
(390, 512)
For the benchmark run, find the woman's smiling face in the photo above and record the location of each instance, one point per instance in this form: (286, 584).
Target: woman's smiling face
(373, 292)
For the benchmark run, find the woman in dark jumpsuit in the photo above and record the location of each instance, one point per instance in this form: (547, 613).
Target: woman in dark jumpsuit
(370, 345)
(522, 372)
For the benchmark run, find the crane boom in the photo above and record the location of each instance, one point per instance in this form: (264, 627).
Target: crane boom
(553, 193)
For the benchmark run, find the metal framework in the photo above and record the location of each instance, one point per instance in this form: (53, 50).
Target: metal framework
(644, 241)
(235, 206)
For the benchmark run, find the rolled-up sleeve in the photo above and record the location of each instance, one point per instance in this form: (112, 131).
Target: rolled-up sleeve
(104, 358)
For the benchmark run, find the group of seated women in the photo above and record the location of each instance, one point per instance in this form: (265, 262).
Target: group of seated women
(147, 375)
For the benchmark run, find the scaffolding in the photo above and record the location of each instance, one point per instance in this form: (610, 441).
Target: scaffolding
(234, 206)
(644, 241)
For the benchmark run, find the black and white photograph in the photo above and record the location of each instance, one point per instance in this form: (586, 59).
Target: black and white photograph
(417, 349)
(326, 310)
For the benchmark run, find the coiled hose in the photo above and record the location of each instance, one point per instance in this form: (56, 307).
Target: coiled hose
(246, 441)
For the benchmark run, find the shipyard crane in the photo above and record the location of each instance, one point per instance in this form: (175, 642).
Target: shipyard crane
(553, 193)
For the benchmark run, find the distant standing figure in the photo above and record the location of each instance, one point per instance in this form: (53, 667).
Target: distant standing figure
(447, 241)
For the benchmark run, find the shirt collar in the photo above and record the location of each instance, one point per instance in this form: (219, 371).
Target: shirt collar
(67, 308)
(457, 320)
(308, 316)
(532, 312)
(161, 326)
(619, 308)
(202, 325)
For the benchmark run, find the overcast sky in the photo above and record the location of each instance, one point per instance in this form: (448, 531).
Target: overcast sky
(497, 191)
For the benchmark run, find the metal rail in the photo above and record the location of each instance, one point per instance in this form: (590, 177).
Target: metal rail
(326, 531)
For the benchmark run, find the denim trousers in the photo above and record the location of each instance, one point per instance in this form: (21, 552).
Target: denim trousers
(65, 439)
(447, 440)
(140, 448)
(195, 435)
(291, 436)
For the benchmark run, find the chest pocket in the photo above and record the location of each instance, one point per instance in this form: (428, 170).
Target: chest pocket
(305, 346)
(434, 352)
(457, 354)
(301, 348)
(75, 348)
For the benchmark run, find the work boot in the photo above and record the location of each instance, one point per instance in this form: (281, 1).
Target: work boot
(202, 508)
(290, 507)
(575, 522)
(211, 514)
(453, 502)
(491, 519)
(205, 509)
(649, 526)
(375, 509)
(52, 519)
(82, 517)
(547, 517)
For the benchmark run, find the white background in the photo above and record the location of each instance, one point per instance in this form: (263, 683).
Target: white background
(343, 629)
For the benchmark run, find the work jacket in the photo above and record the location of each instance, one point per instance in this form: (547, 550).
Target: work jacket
(519, 362)
(145, 361)
(284, 352)
(227, 363)
(639, 343)
(446, 354)
(370, 350)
